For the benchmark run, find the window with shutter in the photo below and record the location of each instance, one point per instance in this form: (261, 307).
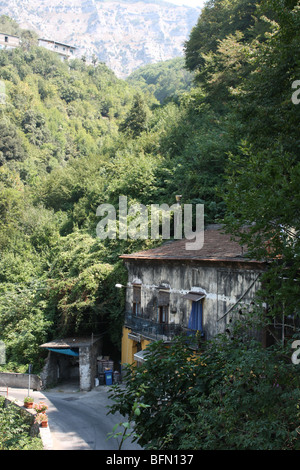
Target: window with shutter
(136, 307)
(196, 317)
(163, 306)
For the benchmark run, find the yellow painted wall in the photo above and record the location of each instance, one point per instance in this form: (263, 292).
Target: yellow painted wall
(145, 343)
(126, 347)
(129, 347)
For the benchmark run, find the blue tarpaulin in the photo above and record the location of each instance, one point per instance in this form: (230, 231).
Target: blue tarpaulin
(69, 352)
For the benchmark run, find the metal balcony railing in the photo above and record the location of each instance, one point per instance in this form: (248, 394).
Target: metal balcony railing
(154, 330)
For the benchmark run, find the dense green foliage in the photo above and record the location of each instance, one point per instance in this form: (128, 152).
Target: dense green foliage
(73, 136)
(219, 20)
(166, 80)
(264, 174)
(246, 68)
(235, 394)
(15, 429)
(232, 395)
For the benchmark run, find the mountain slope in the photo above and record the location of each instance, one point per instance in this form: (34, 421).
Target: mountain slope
(124, 34)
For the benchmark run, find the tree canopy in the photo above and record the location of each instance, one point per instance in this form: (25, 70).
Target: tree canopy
(73, 136)
(246, 62)
(234, 395)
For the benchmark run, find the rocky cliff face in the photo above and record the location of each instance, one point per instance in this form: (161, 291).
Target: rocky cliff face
(124, 34)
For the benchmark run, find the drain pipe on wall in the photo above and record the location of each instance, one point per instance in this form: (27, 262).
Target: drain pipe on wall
(231, 308)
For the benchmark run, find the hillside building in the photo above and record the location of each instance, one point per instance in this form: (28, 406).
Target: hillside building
(65, 51)
(8, 41)
(173, 291)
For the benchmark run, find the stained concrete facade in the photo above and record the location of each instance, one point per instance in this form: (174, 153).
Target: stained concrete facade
(222, 287)
(220, 274)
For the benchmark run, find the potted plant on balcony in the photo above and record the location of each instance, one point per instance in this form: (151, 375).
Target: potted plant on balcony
(28, 402)
(42, 419)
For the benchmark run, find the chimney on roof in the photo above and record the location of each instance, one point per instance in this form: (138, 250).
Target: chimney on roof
(178, 199)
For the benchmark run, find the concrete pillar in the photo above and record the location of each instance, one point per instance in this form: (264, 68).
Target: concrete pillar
(85, 376)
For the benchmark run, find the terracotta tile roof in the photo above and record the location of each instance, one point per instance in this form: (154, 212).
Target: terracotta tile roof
(218, 246)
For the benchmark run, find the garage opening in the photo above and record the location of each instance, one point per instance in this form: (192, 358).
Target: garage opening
(72, 360)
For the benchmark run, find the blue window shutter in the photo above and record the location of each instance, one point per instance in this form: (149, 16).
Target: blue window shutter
(195, 320)
(192, 317)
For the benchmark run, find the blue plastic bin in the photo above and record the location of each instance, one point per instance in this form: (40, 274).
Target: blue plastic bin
(108, 377)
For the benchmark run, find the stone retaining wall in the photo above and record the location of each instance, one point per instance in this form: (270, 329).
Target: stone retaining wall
(16, 380)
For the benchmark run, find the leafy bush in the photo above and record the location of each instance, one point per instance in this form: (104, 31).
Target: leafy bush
(11, 145)
(15, 428)
(231, 395)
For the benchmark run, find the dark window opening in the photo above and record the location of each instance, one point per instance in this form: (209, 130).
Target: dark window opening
(163, 305)
(136, 304)
(163, 311)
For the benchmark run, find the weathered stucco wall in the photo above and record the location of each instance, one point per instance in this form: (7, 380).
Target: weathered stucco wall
(223, 285)
(16, 380)
(88, 365)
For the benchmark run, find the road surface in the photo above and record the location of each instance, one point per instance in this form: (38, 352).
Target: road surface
(77, 420)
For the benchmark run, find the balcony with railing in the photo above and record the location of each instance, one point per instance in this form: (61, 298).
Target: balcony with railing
(156, 331)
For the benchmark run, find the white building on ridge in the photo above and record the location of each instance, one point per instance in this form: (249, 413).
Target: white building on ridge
(65, 51)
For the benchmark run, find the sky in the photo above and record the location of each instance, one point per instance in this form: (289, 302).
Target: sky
(189, 3)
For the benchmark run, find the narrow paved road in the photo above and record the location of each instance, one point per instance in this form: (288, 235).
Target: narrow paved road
(78, 420)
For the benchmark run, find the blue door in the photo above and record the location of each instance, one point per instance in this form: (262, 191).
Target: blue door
(196, 317)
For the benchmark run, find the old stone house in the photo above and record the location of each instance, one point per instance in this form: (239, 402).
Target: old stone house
(173, 291)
